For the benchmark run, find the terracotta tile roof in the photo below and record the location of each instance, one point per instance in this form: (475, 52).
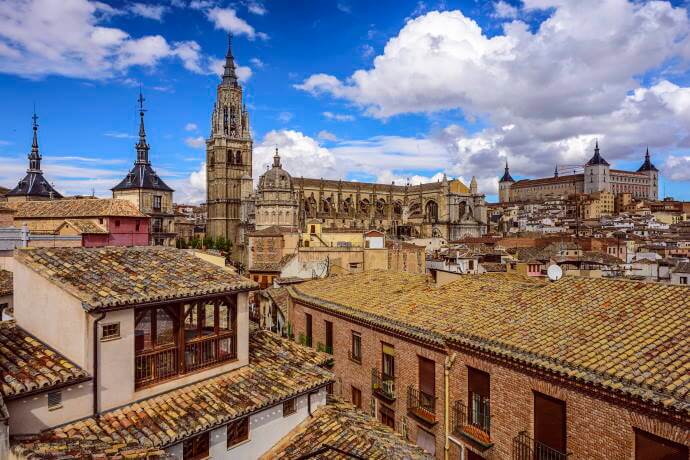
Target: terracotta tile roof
(570, 179)
(5, 282)
(625, 336)
(341, 426)
(75, 208)
(278, 370)
(86, 226)
(27, 365)
(118, 276)
(280, 297)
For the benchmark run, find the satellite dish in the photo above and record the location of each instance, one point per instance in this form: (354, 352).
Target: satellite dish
(554, 272)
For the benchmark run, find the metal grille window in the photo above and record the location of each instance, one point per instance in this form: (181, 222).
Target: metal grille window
(54, 400)
(289, 407)
(110, 331)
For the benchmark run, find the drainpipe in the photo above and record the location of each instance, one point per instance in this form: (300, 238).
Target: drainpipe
(95, 362)
(446, 403)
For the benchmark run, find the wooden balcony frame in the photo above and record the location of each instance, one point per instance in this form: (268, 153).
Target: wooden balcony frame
(186, 355)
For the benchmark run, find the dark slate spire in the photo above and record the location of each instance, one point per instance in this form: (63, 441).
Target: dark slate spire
(555, 171)
(34, 185)
(597, 159)
(506, 175)
(35, 156)
(647, 165)
(142, 147)
(229, 76)
(142, 175)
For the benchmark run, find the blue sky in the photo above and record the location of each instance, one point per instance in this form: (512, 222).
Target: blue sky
(382, 91)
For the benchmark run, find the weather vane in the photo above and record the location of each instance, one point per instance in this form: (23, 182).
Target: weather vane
(141, 100)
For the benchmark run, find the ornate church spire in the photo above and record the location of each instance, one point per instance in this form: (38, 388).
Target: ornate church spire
(35, 156)
(229, 75)
(142, 147)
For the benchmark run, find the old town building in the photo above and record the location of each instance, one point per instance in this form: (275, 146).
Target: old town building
(229, 161)
(499, 366)
(147, 352)
(33, 186)
(147, 191)
(446, 208)
(89, 222)
(598, 176)
(283, 252)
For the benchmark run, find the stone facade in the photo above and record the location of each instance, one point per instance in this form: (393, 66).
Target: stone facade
(597, 177)
(446, 209)
(229, 162)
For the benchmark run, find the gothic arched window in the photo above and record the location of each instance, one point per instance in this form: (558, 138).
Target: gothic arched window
(238, 157)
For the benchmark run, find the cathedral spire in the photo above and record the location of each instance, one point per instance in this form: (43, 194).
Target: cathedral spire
(142, 147)
(35, 156)
(229, 75)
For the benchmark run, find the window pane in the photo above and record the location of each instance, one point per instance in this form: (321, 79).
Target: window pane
(224, 323)
(208, 317)
(143, 339)
(165, 328)
(191, 321)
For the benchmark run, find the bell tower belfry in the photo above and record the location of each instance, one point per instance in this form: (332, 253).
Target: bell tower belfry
(229, 161)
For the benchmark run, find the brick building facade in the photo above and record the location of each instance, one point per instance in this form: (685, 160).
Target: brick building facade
(542, 379)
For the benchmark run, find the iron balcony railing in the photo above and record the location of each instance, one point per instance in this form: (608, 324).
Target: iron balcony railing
(421, 404)
(526, 448)
(476, 424)
(383, 385)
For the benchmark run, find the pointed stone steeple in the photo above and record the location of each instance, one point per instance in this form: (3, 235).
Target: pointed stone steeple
(555, 171)
(229, 75)
(35, 155)
(506, 174)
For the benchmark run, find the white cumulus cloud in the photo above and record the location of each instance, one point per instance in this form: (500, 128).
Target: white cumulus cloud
(573, 78)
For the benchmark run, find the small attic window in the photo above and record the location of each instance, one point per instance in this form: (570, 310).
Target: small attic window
(155, 180)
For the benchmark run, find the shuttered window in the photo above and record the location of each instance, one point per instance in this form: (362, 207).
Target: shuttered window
(427, 381)
(549, 422)
(651, 447)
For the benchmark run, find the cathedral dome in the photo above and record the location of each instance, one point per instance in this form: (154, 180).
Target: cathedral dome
(276, 178)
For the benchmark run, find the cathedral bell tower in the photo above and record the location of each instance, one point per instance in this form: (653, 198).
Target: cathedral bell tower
(229, 161)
